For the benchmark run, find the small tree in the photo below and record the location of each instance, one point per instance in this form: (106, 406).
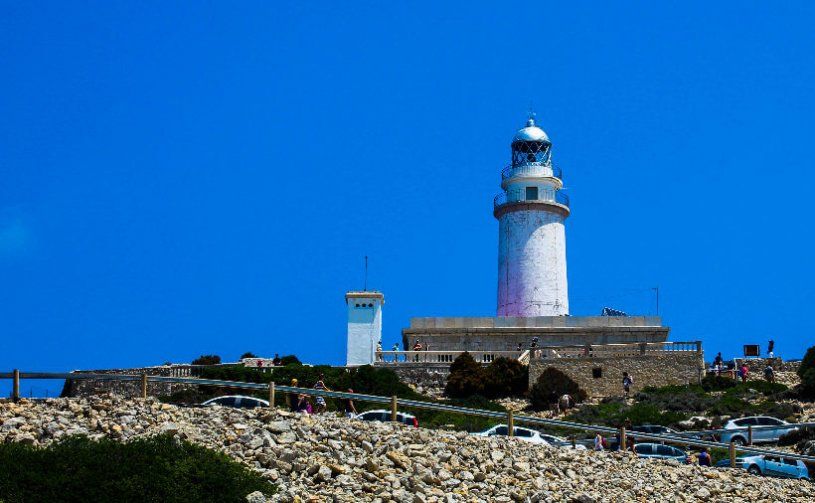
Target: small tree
(550, 385)
(505, 377)
(248, 354)
(207, 360)
(806, 371)
(466, 377)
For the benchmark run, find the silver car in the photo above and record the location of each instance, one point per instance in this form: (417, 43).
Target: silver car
(765, 430)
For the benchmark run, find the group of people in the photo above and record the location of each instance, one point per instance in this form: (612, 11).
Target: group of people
(743, 371)
(303, 403)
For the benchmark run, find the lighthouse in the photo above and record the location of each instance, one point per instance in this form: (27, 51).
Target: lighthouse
(531, 212)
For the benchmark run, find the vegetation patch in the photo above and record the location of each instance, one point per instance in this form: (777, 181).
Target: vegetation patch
(503, 377)
(158, 469)
(550, 386)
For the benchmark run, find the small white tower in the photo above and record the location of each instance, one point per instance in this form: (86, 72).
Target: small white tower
(531, 213)
(364, 326)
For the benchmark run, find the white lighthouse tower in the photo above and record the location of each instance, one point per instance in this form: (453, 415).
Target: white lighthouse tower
(364, 326)
(531, 213)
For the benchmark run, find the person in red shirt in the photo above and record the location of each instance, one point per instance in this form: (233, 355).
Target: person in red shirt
(744, 371)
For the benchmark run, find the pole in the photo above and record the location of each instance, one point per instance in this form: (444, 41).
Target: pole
(510, 424)
(271, 394)
(15, 389)
(732, 454)
(393, 408)
(749, 434)
(366, 274)
(144, 385)
(622, 439)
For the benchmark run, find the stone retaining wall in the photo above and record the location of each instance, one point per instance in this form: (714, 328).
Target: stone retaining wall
(602, 377)
(90, 387)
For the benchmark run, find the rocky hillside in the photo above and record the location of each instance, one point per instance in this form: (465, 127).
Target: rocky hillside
(327, 458)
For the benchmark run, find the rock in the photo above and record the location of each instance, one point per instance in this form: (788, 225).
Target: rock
(278, 426)
(703, 494)
(256, 497)
(323, 473)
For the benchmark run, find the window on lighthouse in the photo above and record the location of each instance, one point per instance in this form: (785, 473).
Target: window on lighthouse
(531, 193)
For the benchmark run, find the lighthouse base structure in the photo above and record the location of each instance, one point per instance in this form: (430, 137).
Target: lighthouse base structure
(532, 263)
(506, 333)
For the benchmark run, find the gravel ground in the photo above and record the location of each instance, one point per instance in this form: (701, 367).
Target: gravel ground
(328, 458)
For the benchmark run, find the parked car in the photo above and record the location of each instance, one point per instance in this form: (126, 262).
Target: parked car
(237, 401)
(765, 434)
(661, 451)
(774, 466)
(562, 442)
(656, 429)
(525, 434)
(385, 416)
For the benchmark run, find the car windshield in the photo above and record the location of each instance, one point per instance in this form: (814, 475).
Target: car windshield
(523, 432)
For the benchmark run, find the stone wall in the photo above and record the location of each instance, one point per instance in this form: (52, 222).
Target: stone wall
(422, 375)
(89, 387)
(650, 370)
(505, 333)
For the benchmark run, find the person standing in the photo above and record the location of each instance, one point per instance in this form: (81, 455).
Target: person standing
(348, 405)
(704, 458)
(320, 385)
(717, 363)
(744, 371)
(769, 373)
(628, 381)
(598, 442)
(291, 401)
(770, 348)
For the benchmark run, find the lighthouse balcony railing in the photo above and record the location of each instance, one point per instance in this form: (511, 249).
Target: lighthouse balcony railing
(531, 169)
(616, 350)
(513, 197)
(445, 357)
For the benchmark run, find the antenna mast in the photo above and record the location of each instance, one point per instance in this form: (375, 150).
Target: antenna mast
(366, 274)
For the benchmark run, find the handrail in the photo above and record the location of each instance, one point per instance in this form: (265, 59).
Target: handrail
(671, 439)
(535, 168)
(440, 356)
(555, 196)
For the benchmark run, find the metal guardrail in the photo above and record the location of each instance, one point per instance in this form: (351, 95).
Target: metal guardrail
(684, 439)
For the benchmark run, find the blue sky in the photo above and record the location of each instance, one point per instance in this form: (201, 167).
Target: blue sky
(187, 178)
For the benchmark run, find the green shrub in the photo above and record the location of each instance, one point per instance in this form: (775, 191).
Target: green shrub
(248, 354)
(207, 360)
(552, 384)
(289, 360)
(795, 436)
(615, 412)
(158, 469)
(806, 371)
(717, 383)
(505, 377)
(466, 378)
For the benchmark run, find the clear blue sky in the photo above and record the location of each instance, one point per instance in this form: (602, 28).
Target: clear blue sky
(185, 178)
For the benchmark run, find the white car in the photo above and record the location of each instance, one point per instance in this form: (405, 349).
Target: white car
(562, 442)
(237, 401)
(525, 434)
(385, 416)
(765, 430)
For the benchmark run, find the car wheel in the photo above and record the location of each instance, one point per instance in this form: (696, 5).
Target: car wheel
(754, 470)
(738, 441)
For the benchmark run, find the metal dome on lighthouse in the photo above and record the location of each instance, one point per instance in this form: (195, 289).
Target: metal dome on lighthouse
(531, 212)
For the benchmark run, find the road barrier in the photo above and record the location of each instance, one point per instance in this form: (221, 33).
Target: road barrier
(511, 419)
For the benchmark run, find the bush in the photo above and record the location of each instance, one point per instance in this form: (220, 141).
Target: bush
(615, 412)
(795, 436)
(552, 384)
(505, 377)
(806, 371)
(207, 360)
(248, 354)
(289, 360)
(151, 469)
(466, 377)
